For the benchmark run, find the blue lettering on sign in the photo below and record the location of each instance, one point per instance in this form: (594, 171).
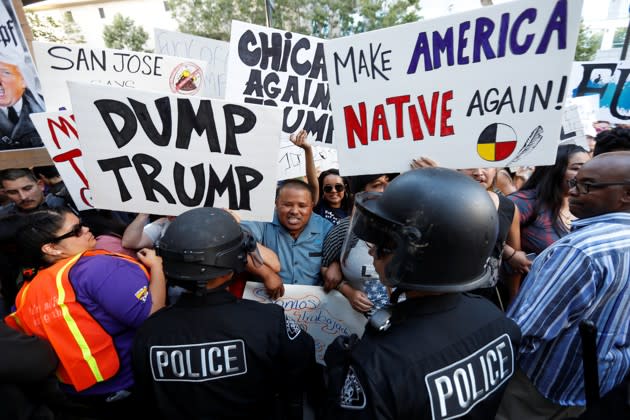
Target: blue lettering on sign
(198, 362)
(507, 34)
(456, 389)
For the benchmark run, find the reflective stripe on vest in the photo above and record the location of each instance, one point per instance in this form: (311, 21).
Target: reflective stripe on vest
(74, 328)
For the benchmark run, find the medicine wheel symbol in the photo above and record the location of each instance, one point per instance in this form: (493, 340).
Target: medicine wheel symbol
(496, 142)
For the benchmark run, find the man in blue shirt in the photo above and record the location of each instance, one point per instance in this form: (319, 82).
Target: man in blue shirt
(296, 234)
(584, 275)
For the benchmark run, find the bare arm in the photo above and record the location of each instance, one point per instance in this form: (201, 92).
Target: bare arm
(134, 236)
(157, 285)
(300, 139)
(271, 280)
(269, 257)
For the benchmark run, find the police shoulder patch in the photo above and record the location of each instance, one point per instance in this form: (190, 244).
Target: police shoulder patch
(293, 329)
(352, 395)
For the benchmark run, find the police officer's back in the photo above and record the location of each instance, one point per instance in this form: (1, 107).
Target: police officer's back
(211, 355)
(440, 353)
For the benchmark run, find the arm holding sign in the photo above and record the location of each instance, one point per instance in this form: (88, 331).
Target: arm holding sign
(301, 140)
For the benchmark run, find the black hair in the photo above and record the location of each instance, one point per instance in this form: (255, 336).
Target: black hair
(548, 182)
(297, 184)
(346, 201)
(36, 229)
(613, 140)
(17, 173)
(103, 222)
(47, 171)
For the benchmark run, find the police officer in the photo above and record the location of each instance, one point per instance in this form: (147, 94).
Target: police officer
(211, 355)
(440, 353)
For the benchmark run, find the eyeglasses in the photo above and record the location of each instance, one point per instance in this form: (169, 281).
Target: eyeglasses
(338, 187)
(379, 251)
(76, 231)
(585, 187)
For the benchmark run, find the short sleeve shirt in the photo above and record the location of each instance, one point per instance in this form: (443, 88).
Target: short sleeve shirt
(300, 258)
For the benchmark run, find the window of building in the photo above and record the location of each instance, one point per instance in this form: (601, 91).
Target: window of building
(101, 12)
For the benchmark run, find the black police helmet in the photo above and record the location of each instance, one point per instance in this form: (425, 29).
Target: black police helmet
(439, 225)
(202, 244)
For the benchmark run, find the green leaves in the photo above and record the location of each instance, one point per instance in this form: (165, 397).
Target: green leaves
(123, 34)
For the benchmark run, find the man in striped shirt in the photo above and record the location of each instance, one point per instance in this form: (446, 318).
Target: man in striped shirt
(584, 275)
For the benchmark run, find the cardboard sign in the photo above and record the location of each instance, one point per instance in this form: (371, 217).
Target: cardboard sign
(281, 69)
(20, 89)
(476, 89)
(608, 81)
(59, 63)
(323, 315)
(151, 152)
(60, 136)
(211, 51)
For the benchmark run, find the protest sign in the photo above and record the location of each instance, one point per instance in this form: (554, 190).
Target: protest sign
(323, 315)
(60, 63)
(61, 138)
(572, 131)
(152, 152)
(282, 69)
(292, 162)
(211, 51)
(20, 86)
(608, 81)
(476, 89)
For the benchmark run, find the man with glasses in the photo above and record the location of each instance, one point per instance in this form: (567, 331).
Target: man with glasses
(584, 275)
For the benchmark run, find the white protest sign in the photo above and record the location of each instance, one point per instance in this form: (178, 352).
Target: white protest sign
(476, 89)
(292, 162)
(279, 68)
(323, 315)
(213, 52)
(59, 63)
(572, 131)
(152, 152)
(608, 82)
(61, 138)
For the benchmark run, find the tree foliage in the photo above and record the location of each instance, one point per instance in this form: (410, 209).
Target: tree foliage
(322, 18)
(587, 44)
(124, 34)
(48, 29)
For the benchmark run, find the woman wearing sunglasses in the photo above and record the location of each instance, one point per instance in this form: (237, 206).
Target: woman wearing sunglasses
(88, 304)
(334, 203)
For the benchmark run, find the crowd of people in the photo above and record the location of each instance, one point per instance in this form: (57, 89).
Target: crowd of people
(474, 284)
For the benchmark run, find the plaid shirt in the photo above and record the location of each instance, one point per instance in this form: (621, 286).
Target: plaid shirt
(537, 231)
(585, 275)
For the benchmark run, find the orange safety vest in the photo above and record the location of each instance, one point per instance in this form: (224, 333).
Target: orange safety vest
(47, 307)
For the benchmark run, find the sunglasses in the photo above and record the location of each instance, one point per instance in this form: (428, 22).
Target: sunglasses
(338, 187)
(585, 187)
(76, 231)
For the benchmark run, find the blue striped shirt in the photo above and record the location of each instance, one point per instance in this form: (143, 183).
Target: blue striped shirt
(584, 275)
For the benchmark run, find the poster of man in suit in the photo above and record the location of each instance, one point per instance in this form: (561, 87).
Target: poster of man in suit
(19, 86)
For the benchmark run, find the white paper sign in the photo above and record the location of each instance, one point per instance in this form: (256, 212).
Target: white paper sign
(572, 131)
(607, 81)
(279, 68)
(323, 315)
(292, 162)
(213, 52)
(152, 152)
(59, 63)
(476, 89)
(61, 138)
